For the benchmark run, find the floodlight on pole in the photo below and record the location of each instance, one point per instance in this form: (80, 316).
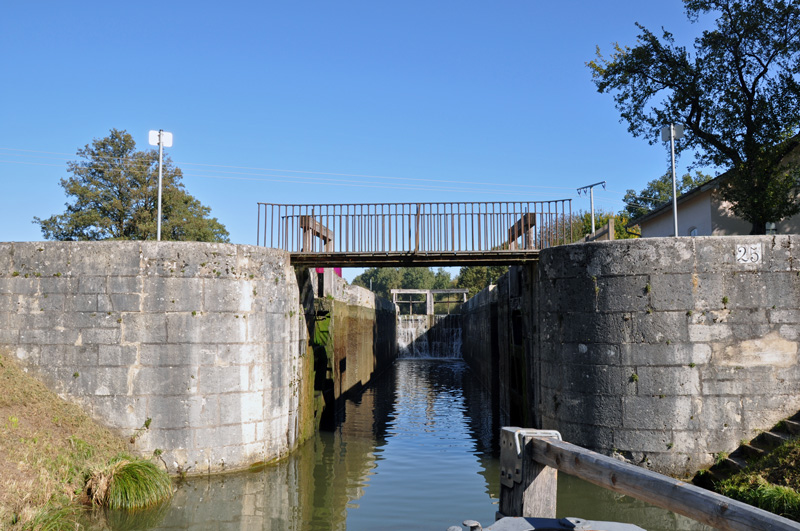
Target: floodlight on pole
(671, 133)
(161, 139)
(591, 197)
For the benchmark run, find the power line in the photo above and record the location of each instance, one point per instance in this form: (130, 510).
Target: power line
(334, 174)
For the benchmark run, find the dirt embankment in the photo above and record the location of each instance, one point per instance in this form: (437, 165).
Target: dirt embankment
(47, 446)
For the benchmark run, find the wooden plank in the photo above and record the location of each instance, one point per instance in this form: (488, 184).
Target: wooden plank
(535, 496)
(523, 226)
(317, 228)
(699, 504)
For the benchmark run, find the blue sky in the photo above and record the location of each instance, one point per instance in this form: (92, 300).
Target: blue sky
(479, 100)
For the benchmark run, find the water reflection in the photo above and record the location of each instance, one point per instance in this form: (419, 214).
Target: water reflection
(417, 450)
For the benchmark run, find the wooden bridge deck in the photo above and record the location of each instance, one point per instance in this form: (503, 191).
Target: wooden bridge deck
(411, 259)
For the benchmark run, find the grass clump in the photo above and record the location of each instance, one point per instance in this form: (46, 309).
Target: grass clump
(758, 492)
(771, 482)
(128, 484)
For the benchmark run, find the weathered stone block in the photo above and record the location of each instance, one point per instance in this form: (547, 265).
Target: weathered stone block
(60, 284)
(643, 440)
(172, 294)
(668, 381)
(184, 412)
(105, 336)
(228, 295)
(592, 409)
(116, 355)
(644, 412)
(595, 380)
(173, 439)
(70, 356)
(19, 285)
(709, 333)
(206, 328)
(226, 435)
(240, 408)
(125, 284)
(122, 412)
(656, 327)
(176, 355)
(89, 284)
(48, 337)
(164, 381)
(663, 354)
(788, 316)
(717, 412)
(110, 381)
(81, 303)
(144, 328)
(49, 302)
(217, 380)
(44, 259)
(718, 253)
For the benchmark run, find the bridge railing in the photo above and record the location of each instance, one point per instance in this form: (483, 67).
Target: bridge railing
(414, 227)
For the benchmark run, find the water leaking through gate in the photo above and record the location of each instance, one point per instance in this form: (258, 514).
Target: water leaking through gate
(429, 334)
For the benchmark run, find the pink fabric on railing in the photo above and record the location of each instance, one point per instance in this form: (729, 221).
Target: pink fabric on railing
(337, 270)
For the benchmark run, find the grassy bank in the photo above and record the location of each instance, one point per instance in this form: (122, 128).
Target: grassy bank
(771, 483)
(48, 450)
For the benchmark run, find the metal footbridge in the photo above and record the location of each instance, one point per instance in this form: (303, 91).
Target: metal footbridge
(414, 234)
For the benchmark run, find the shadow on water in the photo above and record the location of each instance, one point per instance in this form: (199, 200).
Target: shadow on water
(416, 450)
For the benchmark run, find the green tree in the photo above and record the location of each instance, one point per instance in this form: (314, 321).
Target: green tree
(659, 192)
(476, 278)
(381, 280)
(114, 191)
(737, 93)
(417, 278)
(582, 224)
(442, 280)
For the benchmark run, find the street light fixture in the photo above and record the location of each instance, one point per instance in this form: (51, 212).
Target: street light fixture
(161, 139)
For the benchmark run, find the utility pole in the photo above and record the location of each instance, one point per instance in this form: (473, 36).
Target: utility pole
(162, 139)
(671, 133)
(590, 188)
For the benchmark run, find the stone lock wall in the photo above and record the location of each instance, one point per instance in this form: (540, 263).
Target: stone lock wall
(662, 351)
(666, 351)
(357, 339)
(197, 350)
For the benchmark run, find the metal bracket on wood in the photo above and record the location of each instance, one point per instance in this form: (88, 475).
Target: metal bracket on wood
(511, 450)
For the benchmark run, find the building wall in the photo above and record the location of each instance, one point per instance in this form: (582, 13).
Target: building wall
(712, 216)
(197, 350)
(696, 212)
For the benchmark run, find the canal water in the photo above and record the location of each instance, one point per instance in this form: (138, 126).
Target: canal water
(417, 450)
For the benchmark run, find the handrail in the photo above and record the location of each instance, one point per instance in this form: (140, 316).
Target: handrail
(451, 227)
(606, 232)
(542, 454)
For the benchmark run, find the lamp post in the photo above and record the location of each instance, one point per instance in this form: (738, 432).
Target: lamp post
(161, 139)
(671, 133)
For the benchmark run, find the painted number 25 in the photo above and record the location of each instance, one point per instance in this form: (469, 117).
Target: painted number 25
(748, 253)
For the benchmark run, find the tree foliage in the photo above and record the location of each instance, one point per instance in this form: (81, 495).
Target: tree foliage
(659, 192)
(737, 93)
(476, 278)
(114, 191)
(582, 224)
(385, 279)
